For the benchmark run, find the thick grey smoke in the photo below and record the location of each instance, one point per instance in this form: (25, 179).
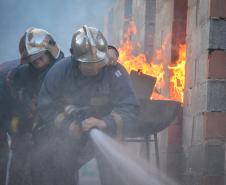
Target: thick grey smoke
(61, 18)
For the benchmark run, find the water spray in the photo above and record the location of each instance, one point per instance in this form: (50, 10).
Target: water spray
(128, 168)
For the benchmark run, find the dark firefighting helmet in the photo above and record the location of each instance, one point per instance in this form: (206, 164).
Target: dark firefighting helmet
(88, 45)
(113, 55)
(34, 43)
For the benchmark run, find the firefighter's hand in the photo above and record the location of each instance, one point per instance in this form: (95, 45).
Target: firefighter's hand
(92, 122)
(75, 130)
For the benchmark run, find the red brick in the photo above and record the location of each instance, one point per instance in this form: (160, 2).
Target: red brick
(217, 65)
(213, 180)
(215, 125)
(218, 8)
(174, 137)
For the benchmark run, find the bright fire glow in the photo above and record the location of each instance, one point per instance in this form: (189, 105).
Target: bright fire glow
(177, 77)
(155, 67)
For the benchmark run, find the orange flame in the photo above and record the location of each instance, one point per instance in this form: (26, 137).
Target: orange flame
(138, 62)
(154, 68)
(177, 79)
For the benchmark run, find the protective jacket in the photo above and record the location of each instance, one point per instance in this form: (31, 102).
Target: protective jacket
(24, 83)
(108, 96)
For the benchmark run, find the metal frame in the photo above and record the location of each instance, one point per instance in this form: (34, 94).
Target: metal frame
(147, 139)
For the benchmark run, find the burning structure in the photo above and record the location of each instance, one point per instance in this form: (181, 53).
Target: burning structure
(182, 43)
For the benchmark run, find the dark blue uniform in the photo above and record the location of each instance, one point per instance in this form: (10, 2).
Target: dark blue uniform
(107, 92)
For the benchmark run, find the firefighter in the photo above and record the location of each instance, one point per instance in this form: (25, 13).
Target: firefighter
(84, 91)
(38, 53)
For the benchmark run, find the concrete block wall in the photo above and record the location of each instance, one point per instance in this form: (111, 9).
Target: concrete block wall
(138, 16)
(204, 120)
(114, 25)
(149, 37)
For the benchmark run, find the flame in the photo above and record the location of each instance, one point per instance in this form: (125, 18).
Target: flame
(177, 78)
(139, 62)
(156, 66)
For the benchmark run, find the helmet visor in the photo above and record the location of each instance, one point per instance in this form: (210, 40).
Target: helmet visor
(31, 58)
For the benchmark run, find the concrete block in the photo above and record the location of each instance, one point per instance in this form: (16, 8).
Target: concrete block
(199, 98)
(138, 14)
(214, 159)
(191, 21)
(197, 134)
(202, 12)
(196, 160)
(204, 37)
(201, 68)
(208, 96)
(216, 95)
(190, 69)
(174, 166)
(187, 103)
(199, 40)
(118, 12)
(192, 3)
(187, 131)
(217, 38)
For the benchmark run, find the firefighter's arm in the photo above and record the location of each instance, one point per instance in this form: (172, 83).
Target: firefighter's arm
(124, 115)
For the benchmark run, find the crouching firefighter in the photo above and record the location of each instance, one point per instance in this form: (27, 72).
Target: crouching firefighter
(98, 90)
(38, 53)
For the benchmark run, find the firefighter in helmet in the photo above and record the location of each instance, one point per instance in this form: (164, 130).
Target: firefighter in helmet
(87, 90)
(38, 53)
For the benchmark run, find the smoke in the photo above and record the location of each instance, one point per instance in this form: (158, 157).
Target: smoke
(61, 18)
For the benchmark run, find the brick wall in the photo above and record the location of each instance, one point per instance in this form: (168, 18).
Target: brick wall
(204, 125)
(204, 113)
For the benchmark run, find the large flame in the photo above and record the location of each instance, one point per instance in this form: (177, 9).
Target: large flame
(155, 67)
(177, 77)
(139, 62)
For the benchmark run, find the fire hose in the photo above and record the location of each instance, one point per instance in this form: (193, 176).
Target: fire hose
(10, 154)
